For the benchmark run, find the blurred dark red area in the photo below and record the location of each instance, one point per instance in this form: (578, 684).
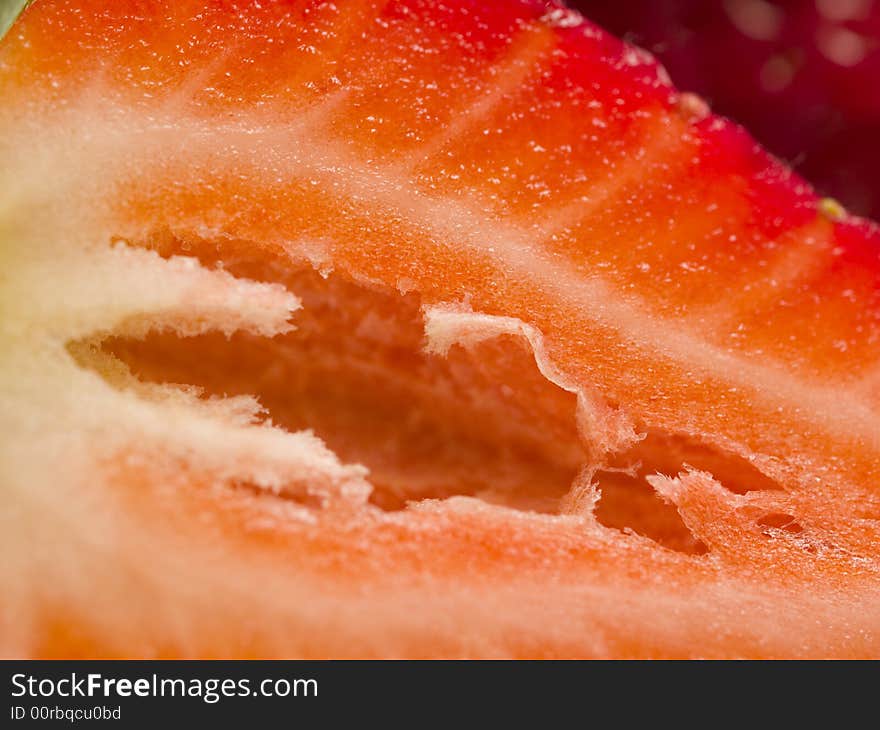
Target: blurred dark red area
(803, 76)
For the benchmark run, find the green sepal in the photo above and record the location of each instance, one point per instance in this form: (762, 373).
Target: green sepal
(9, 11)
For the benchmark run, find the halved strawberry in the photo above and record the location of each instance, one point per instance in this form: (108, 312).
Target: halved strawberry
(611, 369)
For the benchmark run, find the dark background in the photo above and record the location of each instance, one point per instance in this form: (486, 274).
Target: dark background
(803, 76)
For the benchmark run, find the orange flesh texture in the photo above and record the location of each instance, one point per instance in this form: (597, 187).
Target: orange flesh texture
(668, 447)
